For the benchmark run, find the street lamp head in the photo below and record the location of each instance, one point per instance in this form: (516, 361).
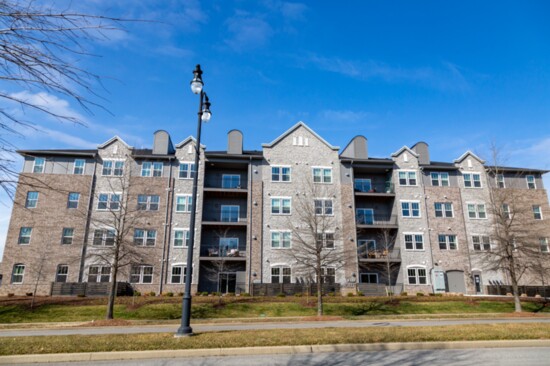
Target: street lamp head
(196, 83)
(206, 114)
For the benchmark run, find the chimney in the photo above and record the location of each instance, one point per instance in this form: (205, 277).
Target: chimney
(162, 144)
(235, 142)
(357, 148)
(421, 148)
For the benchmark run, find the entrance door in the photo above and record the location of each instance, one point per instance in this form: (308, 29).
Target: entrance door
(227, 282)
(455, 280)
(478, 284)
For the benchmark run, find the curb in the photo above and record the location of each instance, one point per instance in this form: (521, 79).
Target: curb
(249, 351)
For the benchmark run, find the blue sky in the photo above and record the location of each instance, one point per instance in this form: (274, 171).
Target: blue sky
(458, 75)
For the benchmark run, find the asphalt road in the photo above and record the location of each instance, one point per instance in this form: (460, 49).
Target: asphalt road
(252, 326)
(462, 357)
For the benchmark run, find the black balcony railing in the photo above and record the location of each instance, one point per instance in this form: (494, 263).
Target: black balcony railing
(368, 219)
(364, 186)
(363, 252)
(226, 183)
(223, 252)
(224, 216)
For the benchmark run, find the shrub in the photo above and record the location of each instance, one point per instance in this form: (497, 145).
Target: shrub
(245, 294)
(331, 294)
(204, 293)
(230, 294)
(431, 294)
(298, 294)
(390, 293)
(281, 295)
(137, 293)
(169, 294)
(419, 294)
(81, 295)
(439, 295)
(11, 295)
(404, 293)
(28, 293)
(350, 294)
(180, 294)
(360, 293)
(152, 293)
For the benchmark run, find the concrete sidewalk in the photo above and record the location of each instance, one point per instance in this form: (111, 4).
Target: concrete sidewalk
(247, 351)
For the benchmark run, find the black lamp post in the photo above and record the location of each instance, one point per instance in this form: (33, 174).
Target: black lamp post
(204, 116)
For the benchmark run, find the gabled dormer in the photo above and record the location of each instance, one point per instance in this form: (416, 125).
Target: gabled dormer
(299, 135)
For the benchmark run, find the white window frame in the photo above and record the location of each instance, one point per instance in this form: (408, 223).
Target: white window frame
(280, 175)
(32, 202)
(146, 169)
(141, 275)
(321, 238)
(471, 180)
(447, 241)
(484, 245)
(506, 211)
(544, 247)
(20, 237)
(65, 237)
(417, 275)
(415, 242)
(105, 236)
(184, 239)
(322, 177)
(537, 210)
(148, 202)
(158, 168)
(500, 180)
(408, 177)
(440, 180)
(444, 210)
(109, 201)
(325, 275)
(281, 275)
(75, 166)
(281, 239)
(19, 273)
(189, 172)
(58, 274)
(534, 182)
(476, 211)
(71, 202)
(410, 209)
(182, 275)
(324, 209)
(115, 168)
(100, 275)
(281, 202)
(188, 201)
(230, 179)
(41, 166)
(144, 240)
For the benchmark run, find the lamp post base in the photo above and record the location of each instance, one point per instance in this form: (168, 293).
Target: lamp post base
(184, 332)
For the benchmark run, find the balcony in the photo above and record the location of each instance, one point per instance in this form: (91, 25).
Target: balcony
(364, 187)
(231, 186)
(222, 252)
(366, 219)
(378, 255)
(224, 217)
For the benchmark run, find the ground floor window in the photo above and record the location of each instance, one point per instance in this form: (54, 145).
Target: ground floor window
(369, 277)
(178, 274)
(141, 274)
(328, 275)
(280, 275)
(417, 276)
(18, 273)
(62, 273)
(99, 274)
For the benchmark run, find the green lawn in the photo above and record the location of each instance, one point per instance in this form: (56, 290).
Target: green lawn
(165, 309)
(255, 338)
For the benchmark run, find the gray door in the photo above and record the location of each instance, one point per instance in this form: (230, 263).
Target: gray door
(455, 279)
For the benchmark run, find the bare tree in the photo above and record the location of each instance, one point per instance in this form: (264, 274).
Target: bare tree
(387, 238)
(317, 250)
(39, 46)
(114, 239)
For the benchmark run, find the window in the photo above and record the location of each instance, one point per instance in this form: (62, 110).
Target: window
(407, 178)
(113, 167)
(410, 208)
(144, 237)
(447, 242)
(325, 240)
(537, 213)
(328, 275)
(141, 274)
(477, 211)
(38, 165)
(364, 216)
(443, 209)
(187, 170)
(32, 200)
(18, 273)
(323, 207)
(280, 239)
(72, 200)
(417, 276)
(178, 274)
(105, 237)
(181, 238)
(281, 206)
(62, 273)
(67, 235)
(231, 181)
(183, 203)
(472, 180)
(229, 213)
(500, 181)
(481, 243)
(362, 185)
(369, 278)
(146, 169)
(228, 247)
(25, 235)
(99, 274)
(280, 275)
(544, 245)
(280, 173)
(322, 175)
(148, 202)
(108, 201)
(414, 242)
(440, 179)
(79, 165)
(157, 169)
(506, 211)
(531, 182)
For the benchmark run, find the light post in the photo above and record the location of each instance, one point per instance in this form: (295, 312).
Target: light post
(204, 116)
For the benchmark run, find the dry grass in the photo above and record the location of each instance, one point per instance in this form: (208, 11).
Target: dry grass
(254, 338)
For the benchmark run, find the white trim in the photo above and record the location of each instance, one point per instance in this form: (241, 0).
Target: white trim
(281, 206)
(83, 167)
(416, 174)
(280, 247)
(187, 204)
(280, 173)
(414, 242)
(34, 164)
(472, 180)
(405, 148)
(463, 156)
(291, 129)
(113, 139)
(534, 181)
(322, 168)
(184, 244)
(476, 204)
(411, 216)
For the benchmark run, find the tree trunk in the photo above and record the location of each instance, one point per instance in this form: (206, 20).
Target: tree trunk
(319, 289)
(515, 287)
(112, 295)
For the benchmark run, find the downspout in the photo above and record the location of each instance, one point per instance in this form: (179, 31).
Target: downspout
(87, 226)
(352, 177)
(429, 232)
(249, 259)
(467, 237)
(167, 231)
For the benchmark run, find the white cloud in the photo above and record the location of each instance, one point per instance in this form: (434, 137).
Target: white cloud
(247, 31)
(174, 51)
(49, 102)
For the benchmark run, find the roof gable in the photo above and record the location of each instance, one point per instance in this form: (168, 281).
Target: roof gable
(184, 142)
(469, 153)
(403, 149)
(111, 140)
(294, 128)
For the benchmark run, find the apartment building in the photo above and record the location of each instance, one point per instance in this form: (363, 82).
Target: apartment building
(404, 223)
